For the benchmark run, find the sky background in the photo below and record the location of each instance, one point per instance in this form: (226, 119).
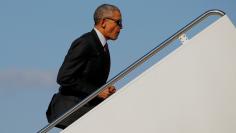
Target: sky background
(35, 36)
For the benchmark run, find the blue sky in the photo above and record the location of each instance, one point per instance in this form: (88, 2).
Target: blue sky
(35, 36)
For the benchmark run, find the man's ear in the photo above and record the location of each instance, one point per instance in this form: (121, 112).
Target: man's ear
(103, 23)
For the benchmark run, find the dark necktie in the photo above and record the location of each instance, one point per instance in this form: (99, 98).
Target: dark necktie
(107, 60)
(106, 47)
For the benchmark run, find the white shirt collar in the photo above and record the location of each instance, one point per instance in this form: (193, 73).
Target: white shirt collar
(101, 37)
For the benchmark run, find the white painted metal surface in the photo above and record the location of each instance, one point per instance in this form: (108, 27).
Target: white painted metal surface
(192, 90)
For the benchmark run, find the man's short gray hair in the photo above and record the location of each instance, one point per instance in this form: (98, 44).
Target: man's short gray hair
(104, 11)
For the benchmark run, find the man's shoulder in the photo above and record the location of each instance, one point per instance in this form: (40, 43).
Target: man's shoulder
(85, 38)
(84, 41)
(86, 35)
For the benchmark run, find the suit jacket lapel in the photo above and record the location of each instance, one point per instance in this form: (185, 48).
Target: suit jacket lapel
(97, 43)
(100, 48)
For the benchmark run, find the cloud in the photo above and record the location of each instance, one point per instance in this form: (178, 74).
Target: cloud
(27, 79)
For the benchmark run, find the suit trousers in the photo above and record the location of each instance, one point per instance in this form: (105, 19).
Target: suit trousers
(61, 104)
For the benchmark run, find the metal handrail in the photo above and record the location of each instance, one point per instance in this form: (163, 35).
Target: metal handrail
(133, 66)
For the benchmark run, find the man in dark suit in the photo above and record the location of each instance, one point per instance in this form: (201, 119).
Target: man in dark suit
(86, 67)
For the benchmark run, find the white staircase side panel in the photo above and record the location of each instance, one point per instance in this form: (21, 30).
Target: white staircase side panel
(192, 90)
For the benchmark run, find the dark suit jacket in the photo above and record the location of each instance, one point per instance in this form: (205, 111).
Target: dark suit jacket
(85, 68)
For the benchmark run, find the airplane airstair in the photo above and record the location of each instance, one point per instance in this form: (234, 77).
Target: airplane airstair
(191, 90)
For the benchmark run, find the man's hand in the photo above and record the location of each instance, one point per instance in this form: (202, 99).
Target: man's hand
(107, 92)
